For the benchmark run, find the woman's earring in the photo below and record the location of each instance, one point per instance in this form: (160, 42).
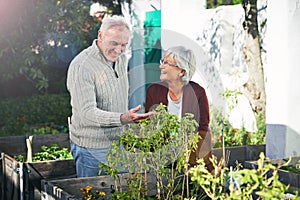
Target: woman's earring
(182, 73)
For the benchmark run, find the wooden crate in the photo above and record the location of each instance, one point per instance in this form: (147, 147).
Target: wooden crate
(16, 145)
(69, 189)
(33, 172)
(240, 154)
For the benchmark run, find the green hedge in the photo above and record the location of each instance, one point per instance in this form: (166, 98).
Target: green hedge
(46, 113)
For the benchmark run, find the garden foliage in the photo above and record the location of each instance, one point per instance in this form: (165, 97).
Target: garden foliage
(38, 114)
(226, 183)
(40, 35)
(52, 152)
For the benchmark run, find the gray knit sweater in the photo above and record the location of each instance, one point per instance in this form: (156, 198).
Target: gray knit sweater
(98, 98)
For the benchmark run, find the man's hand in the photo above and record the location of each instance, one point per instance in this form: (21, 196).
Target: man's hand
(133, 116)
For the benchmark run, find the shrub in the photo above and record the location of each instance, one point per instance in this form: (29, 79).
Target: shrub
(46, 113)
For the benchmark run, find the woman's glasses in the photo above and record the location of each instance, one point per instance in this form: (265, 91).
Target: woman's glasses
(163, 62)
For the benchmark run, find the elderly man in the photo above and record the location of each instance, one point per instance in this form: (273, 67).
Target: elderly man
(98, 85)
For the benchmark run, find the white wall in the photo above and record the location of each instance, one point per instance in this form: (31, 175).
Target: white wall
(283, 82)
(180, 22)
(216, 37)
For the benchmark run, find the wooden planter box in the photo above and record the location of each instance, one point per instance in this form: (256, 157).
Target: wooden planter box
(63, 172)
(69, 189)
(240, 154)
(286, 177)
(13, 184)
(16, 145)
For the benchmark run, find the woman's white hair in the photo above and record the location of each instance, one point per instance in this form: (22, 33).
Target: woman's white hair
(185, 59)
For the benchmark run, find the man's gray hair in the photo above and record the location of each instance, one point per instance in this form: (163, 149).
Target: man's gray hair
(114, 21)
(185, 59)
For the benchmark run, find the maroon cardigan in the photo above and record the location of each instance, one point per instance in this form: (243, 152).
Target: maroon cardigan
(194, 101)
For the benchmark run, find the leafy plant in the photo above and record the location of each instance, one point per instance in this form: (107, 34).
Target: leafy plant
(294, 168)
(20, 158)
(231, 97)
(151, 137)
(162, 145)
(260, 183)
(216, 3)
(54, 152)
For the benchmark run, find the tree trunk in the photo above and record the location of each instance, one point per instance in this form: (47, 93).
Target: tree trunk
(254, 89)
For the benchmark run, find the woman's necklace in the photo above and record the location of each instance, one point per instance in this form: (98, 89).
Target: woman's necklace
(175, 97)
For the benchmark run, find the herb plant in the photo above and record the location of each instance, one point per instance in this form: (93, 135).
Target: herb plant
(54, 152)
(160, 145)
(260, 183)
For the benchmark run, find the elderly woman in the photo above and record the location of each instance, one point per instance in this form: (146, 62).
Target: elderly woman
(181, 96)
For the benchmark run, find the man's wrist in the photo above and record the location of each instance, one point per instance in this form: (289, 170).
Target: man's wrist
(125, 118)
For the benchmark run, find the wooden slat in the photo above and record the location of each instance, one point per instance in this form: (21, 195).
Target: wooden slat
(253, 151)
(1, 176)
(11, 178)
(13, 145)
(62, 140)
(52, 169)
(37, 171)
(240, 154)
(235, 154)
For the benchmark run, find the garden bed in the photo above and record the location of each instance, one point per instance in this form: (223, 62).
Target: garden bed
(286, 177)
(69, 189)
(64, 189)
(63, 172)
(13, 184)
(16, 145)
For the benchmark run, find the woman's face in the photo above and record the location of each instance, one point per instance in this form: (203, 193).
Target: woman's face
(113, 42)
(169, 71)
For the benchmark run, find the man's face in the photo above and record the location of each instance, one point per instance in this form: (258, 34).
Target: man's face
(113, 42)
